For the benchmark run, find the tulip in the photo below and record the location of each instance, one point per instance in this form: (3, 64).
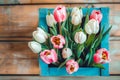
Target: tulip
(101, 56)
(80, 37)
(49, 56)
(58, 41)
(60, 14)
(34, 46)
(92, 27)
(66, 53)
(40, 35)
(97, 15)
(77, 16)
(77, 10)
(50, 20)
(71, 66)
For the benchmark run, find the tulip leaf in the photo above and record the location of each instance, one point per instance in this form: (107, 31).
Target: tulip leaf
(80, 50)
(98, 40)
(87, 57)
(52, 31)
(66, 45)
(63, 63)
(90, 40)
(92, 51)
(98, 65)
(86, 18)
(80, 61)
(108, 30)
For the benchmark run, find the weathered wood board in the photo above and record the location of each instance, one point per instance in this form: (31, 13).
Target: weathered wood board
(17, 22)
(54, 1)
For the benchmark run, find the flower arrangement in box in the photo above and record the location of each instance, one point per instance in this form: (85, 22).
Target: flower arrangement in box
(72, 39)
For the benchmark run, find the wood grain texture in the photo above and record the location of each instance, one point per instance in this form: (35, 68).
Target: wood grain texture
(17, 24)
(54, 1)
(21, 21)
(19, 66)
(57, 78)
(115, 57)
(11, 50)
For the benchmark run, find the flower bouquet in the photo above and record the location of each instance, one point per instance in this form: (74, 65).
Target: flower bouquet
(70, 39)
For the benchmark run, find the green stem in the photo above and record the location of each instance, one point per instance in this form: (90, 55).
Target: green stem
(59, 28)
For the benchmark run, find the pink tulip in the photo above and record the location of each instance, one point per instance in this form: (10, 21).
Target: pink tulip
(97, 15)
(49, 56)
(60, 13)
(58, 41)
(101, 56)
(71, 66)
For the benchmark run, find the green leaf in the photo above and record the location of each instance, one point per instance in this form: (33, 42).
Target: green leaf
(52, 31)
(66, 45)
(90, 40)
(92, 51)
(80, 50)
(63, 63)
(108, 30)
(87, 57)
(80, 61)
(98, 65)
(86, 19)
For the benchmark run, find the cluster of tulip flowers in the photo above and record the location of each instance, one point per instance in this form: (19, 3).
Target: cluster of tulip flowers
(71, 41)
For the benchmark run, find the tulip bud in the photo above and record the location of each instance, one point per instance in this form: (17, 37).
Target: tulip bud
(40, 36)
(92, 27)
(97, 15)
(66, 53)
(50, 20)
(76, 19)
(60, 13)
(80, 37)
(77, 10)
(77, 16)
(34, 46)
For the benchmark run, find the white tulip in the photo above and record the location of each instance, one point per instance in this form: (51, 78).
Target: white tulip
(34, 46)
(80, 37)
(76, 19)
(77, 16)
(92, 27)
(77, 10)
(50, 20)
(66, 53)
(39, 35)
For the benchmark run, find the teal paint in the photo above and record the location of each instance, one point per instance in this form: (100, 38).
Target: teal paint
(83, 71)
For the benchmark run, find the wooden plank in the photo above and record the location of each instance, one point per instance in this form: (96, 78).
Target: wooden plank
(10, 50)
(19, 66)
(15, 23)
(115, 57)
(54, 1)
(57, 78)
(19, 20)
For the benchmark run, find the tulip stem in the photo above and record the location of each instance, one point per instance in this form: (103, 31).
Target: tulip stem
(59, 27)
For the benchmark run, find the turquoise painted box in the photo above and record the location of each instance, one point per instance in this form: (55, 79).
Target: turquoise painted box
(45, 70)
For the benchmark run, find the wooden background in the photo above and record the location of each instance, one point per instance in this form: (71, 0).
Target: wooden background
(19, 18)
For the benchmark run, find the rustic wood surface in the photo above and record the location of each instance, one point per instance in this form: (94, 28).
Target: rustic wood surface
(57, 78)
(17, 22)
(55, 1)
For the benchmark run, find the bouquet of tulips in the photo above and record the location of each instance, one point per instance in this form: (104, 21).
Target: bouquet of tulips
(72, 40)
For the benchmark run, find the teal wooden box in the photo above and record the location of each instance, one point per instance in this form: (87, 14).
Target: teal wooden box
(45, 70)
